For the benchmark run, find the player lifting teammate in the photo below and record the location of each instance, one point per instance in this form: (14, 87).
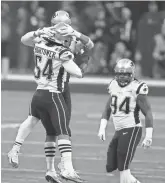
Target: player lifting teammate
(127, 97)
(53, 62)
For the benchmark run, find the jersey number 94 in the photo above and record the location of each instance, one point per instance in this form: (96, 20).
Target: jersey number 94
(123, 106)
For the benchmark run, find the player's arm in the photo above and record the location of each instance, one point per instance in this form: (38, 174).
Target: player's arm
(68, 30)
(104, 119)
(144, 105)
(30, 38)
(67, 61)
(84, 39)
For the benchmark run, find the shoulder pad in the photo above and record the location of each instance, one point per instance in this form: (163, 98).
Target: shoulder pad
(66, 55)
(142, 89)
(109, 85)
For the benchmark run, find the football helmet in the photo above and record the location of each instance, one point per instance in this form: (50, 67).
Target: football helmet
(60, 16)
(124, 72)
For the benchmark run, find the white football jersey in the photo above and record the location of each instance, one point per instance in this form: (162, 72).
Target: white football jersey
(125, 111)
(49, 72)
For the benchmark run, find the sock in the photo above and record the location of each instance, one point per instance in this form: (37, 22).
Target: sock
(132, 178)
(65, 149)
(125, 176)
(50, 150)
(23, 132)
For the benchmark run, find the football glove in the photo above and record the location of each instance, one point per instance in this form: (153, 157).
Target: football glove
(147, 142)
(67, 30)
(46, 30)
(101, 133)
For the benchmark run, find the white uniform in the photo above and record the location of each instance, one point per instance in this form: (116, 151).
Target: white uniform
(49, 72)
(125, 112)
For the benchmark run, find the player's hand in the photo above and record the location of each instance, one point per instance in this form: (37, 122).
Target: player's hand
(101, 134)
(66, 30)
(46, 30)
(147, 142)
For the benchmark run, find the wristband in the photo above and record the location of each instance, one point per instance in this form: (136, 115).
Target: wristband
(89, 44)
(103, 123)
(149, 132)
(77, 34)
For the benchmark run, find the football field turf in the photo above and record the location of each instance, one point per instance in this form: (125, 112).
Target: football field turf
(89, 153)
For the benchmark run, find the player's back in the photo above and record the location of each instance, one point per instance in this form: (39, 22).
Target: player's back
(125, 111)
(49, 72)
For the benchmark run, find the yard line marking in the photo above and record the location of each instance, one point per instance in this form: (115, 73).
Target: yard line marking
(78, 145)
(98, 158)
(156, 116)
(10, 125)
(83, 173)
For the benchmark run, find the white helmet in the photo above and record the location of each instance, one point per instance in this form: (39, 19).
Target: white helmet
(60, 16)
(124, 71)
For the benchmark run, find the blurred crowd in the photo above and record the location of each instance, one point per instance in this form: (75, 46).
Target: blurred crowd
(135, 30)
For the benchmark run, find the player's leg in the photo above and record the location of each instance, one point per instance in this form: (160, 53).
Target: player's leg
(42, 103)
(112, 154)
(23, 132)
(128, 141)
(67, 98)
(60, 121)
(49, 147)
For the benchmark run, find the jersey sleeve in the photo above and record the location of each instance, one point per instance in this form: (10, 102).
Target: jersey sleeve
(66, 55)
(110, 86)
(142, 89)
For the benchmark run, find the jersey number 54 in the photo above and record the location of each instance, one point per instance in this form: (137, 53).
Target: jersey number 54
(47, 70)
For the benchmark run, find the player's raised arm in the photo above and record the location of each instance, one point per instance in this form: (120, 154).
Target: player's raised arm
(104, 119)
(67, 57)
(145, 107)
(30, 38)
(69, 31)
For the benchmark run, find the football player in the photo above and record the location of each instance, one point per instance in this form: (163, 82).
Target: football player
(127, 97)
(27, 126)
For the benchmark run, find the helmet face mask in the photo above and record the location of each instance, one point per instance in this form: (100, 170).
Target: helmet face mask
(123, 79)
(124, 72)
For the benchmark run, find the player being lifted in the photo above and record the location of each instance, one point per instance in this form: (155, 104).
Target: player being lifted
(53, 61)
(127, 97)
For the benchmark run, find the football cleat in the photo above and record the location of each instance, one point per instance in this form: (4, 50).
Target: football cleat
(60, 167)
(52, 177)
(13, 158)
(71, 175)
